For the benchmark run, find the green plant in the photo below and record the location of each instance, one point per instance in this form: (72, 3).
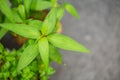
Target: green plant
(37, 21)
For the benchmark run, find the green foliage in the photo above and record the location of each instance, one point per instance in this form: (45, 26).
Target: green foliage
(66, 43)
(49, 23)
(6, 10)
(22, 29)
(40, 5)
(27, 4)
(71, 10)
(55, 54)
(60, 13)
(2, 32)
(44, 51)
(28, 55)
(21, 11)
(37, 22)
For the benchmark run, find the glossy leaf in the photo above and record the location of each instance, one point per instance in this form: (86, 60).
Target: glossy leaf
(27, 4)
(50, 21)
(71, 10)
(28, 56)
(22, 29)
(44, 51)
(2, 32)
(55, 54)
(66, 43)
(40, 5)
(5, 9)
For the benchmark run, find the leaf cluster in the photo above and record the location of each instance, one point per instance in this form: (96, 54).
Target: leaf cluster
(37, 20)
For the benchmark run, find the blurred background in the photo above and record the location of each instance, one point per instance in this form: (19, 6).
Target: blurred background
(98, 29)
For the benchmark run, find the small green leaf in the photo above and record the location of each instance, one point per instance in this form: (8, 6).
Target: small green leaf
(40, 5)
(27, 4)
(44, 51)
(21, 11)
(22, 29)
(27, 56)
(60, 13)
(55, 54)
(50, 21)
(2, 32)
(66, 43)
(5, 9)
(71, 10)
(35, 23)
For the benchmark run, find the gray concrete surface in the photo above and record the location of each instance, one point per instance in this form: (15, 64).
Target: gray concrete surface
(99, 30)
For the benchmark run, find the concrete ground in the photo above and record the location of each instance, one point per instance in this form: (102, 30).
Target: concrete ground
(98, 29)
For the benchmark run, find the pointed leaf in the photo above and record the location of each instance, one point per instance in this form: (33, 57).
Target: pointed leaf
(71, 10)
(27, 56)
(40, 5)
(55, 54)
(5, 9)
(44, 51)
(50, 21)
(27, 4)
(22, 29)
(21, 11)
(66, 43)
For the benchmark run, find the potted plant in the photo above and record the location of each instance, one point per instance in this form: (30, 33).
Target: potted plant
(35, 26)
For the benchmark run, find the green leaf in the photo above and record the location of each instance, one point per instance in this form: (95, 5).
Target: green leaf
(60, 13)
(16, 16)
(50, 21)
(40, 5)
(55, 54)
(66, 43)
(21, 11)
(2, 32)
(22, 29)
(5, 9)
(1, 17)
(71, 10)
(53, 1)
(27, 4)
(50, 71)
(1, 48)
(27, 56)
(35, 23)
(44, 51)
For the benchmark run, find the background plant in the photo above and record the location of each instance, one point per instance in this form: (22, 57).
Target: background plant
(36, 20)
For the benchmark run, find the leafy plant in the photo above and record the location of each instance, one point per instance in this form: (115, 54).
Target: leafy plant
(37, 21)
